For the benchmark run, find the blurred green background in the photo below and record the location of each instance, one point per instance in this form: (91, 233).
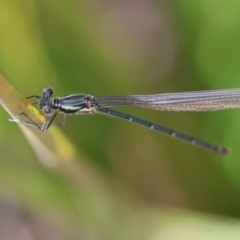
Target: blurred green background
(125, 181)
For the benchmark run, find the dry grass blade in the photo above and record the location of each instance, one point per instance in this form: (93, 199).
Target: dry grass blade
(45, 144)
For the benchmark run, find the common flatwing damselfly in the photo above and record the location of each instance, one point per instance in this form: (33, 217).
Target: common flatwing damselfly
(198, 101)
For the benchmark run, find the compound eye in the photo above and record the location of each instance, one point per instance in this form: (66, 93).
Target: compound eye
(47, 111)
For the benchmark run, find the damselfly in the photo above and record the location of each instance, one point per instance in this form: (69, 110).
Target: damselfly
(185, 101)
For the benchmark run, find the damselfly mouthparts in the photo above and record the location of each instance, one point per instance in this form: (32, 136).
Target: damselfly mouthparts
(185, 101)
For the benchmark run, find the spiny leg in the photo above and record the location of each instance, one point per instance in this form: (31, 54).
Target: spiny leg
(47, 124)
(33, 96)
(62, 121)
(18, 121)
(50, 123)
(31, 122)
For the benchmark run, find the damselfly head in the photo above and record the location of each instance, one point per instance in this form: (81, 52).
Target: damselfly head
(45, 100)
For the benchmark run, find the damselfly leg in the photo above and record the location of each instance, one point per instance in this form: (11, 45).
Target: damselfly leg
(46, 124)
(48, 119)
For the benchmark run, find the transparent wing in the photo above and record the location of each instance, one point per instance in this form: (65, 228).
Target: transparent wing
(184, 101)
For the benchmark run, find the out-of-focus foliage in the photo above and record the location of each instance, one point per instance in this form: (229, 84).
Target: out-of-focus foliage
(103, 178)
